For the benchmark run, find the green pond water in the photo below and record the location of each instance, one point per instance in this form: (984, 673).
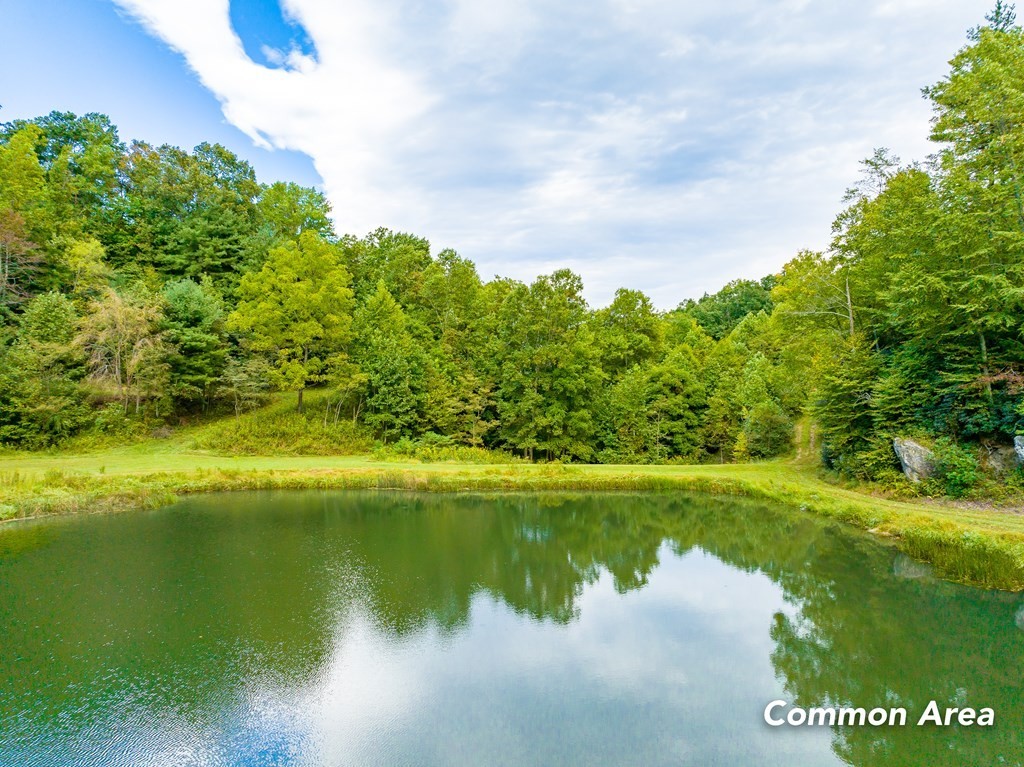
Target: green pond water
(401, 629)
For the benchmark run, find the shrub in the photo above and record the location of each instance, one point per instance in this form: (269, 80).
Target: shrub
(111, 420)
(876, 460)
(956, 467)
(435, 448)
(768, 431)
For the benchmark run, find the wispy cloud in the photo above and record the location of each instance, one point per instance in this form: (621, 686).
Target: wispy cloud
(646, 143)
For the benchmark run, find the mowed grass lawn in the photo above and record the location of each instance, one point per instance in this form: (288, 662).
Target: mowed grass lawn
(983, 546)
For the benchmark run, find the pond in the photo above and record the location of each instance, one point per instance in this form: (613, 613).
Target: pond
(341, 628)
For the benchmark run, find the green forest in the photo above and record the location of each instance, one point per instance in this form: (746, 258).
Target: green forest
(146, 287)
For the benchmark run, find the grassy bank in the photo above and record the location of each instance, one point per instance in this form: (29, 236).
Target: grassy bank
(976, 546)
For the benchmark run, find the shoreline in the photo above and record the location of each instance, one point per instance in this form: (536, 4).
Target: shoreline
(977, 547)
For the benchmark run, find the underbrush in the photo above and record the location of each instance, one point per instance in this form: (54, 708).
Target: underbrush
(1007, 490)
(279, 429)
(960, 473)
(434, 448)
(110, 428)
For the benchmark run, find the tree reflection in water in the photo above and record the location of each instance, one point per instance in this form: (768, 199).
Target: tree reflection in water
(264, 585)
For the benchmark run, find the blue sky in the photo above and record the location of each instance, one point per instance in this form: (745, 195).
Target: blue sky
(663, 145)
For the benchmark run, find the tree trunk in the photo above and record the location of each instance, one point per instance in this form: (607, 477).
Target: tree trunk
(300, 398)
(984, 367)
(849, 305)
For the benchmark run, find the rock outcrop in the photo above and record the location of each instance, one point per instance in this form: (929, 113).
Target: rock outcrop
(1018, 447)
(918, 461)
(1000, 460)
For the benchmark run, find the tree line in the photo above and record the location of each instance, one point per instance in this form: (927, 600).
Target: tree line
(149, 284)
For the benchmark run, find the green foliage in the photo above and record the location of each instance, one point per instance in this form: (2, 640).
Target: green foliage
(719, 313)
(811, 299)
(398, 260)
(288, 210)
(955, 467)
(111, 420)
(628, 332)
(298, 310)
(24, 190)
(245, 383)
(49, 320)
(924, 277)
(82, 262)
(549, 376)
(279, 430)
(193, 326)
(843, 408)
(393, 364)
(125, 347)
(437, 448)
(184, 214)
(768, 431)
(173, 283)
(653, 413)
(765, 430)
(680, 329)
(26, 218)
(40, 401)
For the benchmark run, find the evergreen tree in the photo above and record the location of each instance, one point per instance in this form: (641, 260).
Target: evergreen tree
(193, 326)
(393, 364)
(40, 400)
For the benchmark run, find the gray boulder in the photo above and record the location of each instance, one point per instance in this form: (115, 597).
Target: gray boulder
(1018, 448)
(1000, 460)
(918, 461)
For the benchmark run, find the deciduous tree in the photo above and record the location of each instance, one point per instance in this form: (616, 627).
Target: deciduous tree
(298, 310)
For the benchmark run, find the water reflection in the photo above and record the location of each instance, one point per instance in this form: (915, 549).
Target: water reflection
(329, 628)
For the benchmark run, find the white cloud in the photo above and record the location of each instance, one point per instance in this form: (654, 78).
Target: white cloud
(490, 34)
(348, 110)
(646, 143)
